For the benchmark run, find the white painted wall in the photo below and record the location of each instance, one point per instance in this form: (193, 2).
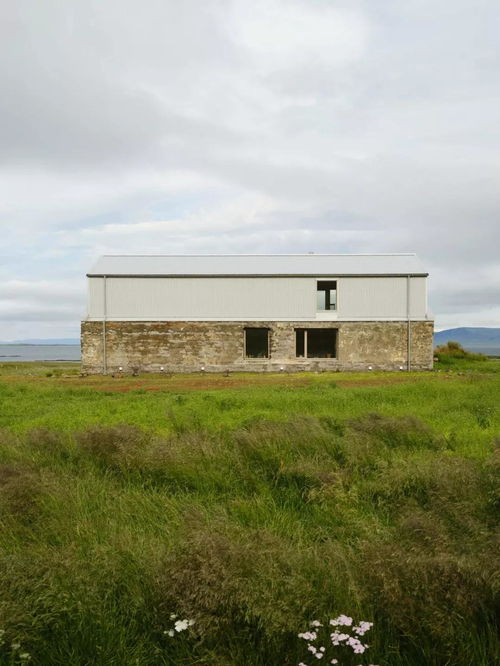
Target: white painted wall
(246, 298)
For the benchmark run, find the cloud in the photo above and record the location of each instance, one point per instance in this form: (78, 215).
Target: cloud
(41, 301)
(283, 35)
(271, 126)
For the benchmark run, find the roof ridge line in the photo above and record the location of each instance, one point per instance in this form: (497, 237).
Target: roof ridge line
(312, 254)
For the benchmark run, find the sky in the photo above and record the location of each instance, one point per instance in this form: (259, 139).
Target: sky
(247, 126)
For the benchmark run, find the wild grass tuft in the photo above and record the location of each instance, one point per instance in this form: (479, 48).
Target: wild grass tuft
(273, 507)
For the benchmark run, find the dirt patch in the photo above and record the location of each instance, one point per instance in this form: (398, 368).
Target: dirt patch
(213, 382)
(192, 384)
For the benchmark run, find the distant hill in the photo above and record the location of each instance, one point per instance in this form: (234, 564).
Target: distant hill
(482, 340)
(42, 341)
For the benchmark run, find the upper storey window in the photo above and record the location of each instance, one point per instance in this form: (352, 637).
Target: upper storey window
(327, 295)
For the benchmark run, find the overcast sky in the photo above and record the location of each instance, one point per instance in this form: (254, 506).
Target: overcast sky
(220, 126)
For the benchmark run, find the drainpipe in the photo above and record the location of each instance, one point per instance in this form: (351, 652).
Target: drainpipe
(104, 360)
(408, 323)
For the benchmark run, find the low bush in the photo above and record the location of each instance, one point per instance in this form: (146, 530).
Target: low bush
(454, 350)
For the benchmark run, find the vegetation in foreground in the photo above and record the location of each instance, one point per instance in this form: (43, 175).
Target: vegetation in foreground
(250, 511)
(453, 351)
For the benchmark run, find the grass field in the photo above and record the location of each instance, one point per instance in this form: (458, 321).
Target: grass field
(251, 504)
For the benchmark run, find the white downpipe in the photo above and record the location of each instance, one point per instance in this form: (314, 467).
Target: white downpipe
(408, 323)
(104, 359)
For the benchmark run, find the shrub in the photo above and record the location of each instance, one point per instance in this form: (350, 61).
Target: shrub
(454, 349)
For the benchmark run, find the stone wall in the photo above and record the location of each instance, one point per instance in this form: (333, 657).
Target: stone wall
(219, 346)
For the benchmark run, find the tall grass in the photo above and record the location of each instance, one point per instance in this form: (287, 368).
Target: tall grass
(273, 507)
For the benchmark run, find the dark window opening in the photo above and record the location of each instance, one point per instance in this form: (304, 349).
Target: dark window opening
(316, 342)
(257, 342)
(327, 295)
(299, 343)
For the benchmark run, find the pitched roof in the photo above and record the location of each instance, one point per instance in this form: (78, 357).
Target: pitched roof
(258, 265)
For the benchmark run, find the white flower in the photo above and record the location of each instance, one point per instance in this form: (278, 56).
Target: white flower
(173, 616)
(341, 620)
(171, 633)
(181, 625)
(362, 628)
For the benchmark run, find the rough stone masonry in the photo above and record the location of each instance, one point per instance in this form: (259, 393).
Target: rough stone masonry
(219, 346)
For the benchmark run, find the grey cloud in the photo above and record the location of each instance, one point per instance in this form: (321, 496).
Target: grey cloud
(42, 290)
(83, 84)
(385, 139)
(34, 314)
(41, 301)
(467, 299)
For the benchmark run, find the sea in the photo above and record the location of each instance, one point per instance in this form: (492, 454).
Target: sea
(13, 353)
(487, 351)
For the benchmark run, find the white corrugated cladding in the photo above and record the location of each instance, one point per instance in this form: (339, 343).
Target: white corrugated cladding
(242, 297)
(381, 297)
(203, 298)
(248, 295)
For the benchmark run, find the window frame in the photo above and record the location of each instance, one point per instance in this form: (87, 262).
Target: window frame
(305, 331)
(268, 340)
(328, 303)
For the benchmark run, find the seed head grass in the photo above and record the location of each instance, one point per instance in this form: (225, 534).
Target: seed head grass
(248, 513)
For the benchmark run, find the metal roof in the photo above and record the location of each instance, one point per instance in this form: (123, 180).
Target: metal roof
(257, 265)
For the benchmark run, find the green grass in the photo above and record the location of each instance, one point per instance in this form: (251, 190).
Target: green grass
(252, 510)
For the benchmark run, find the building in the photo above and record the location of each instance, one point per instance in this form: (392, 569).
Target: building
(257, 313)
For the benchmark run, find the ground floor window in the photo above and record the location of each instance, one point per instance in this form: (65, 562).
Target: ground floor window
(316, 342)
(257, 342)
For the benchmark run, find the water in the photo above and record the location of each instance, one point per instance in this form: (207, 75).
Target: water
(13, 353)
(480, 349)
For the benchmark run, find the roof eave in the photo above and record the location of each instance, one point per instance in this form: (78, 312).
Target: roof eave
(252, 275)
